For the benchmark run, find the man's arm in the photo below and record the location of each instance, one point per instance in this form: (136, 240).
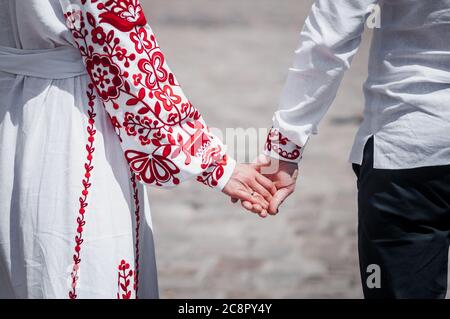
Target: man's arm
(329, 40)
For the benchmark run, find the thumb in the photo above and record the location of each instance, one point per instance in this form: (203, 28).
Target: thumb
(278, 199)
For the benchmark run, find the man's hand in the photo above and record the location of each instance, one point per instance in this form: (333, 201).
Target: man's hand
(249, 186)
(284, 176)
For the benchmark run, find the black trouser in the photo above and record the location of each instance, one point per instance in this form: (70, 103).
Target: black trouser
(404, 229)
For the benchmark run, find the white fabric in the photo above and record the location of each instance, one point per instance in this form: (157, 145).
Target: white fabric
(63, 171)
(408, 89)
(60, 63)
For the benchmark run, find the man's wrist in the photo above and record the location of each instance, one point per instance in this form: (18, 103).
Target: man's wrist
(281, 148)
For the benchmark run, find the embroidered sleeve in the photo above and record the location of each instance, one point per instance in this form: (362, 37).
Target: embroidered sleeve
(164, 137)
(280, 147)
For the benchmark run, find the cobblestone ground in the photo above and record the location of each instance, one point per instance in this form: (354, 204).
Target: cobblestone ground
(231, 58)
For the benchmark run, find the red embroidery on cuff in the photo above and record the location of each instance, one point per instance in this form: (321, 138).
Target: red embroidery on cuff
(214, 173)
(282, 146)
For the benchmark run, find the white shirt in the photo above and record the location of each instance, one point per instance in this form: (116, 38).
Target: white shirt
(407, 93)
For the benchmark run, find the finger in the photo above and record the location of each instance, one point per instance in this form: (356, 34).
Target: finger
(278, 199)
(263, 213)
(247, 196)
(261, 201)
(234, 200)
(266, 183)
(254, 208)
(260, 189)
(247, 205)
(257, 209)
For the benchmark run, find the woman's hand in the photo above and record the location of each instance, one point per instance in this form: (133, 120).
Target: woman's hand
(249, 186)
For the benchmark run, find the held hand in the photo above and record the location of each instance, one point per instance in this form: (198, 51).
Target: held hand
(249, 186)
(284, 176)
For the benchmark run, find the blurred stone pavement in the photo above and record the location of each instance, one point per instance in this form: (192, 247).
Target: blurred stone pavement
(231, 58)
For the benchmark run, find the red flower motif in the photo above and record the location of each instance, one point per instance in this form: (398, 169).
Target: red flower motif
(168, 97)
(98, 36)
(125, 273)
(124, 14)
(124, 265)
(144, 140)
(137, 78)
(105, 75)
(141, 41)
(154, 70)
(153, 168)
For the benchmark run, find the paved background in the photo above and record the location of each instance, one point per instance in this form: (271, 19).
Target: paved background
(232, 58)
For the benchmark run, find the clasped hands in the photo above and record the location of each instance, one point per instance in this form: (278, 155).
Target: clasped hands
(262, 186)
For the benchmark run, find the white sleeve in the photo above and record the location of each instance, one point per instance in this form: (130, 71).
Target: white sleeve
(163, 136)
(328, 42)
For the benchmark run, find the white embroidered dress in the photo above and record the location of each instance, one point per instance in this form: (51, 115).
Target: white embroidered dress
(89, 113)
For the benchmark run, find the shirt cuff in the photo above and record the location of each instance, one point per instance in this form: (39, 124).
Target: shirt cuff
(219, 173)
(281, 148)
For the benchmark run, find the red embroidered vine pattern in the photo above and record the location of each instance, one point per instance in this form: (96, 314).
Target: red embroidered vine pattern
(137, 232)
(161, 131)
(86, 182)
(282, 146)
(124, 280)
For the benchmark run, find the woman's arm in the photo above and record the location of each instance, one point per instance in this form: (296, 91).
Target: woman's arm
(164, 137)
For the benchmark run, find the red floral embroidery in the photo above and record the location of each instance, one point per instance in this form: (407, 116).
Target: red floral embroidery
(168, 98)
(105, 75)
(124, 280)
(123, 14)
(88, 167)
(214, 173)
(98, 36)
(141, 42)
(116, 125)
(129, 71)
(282, 146)
(137, 78)
(154, 70)
(156, 169)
